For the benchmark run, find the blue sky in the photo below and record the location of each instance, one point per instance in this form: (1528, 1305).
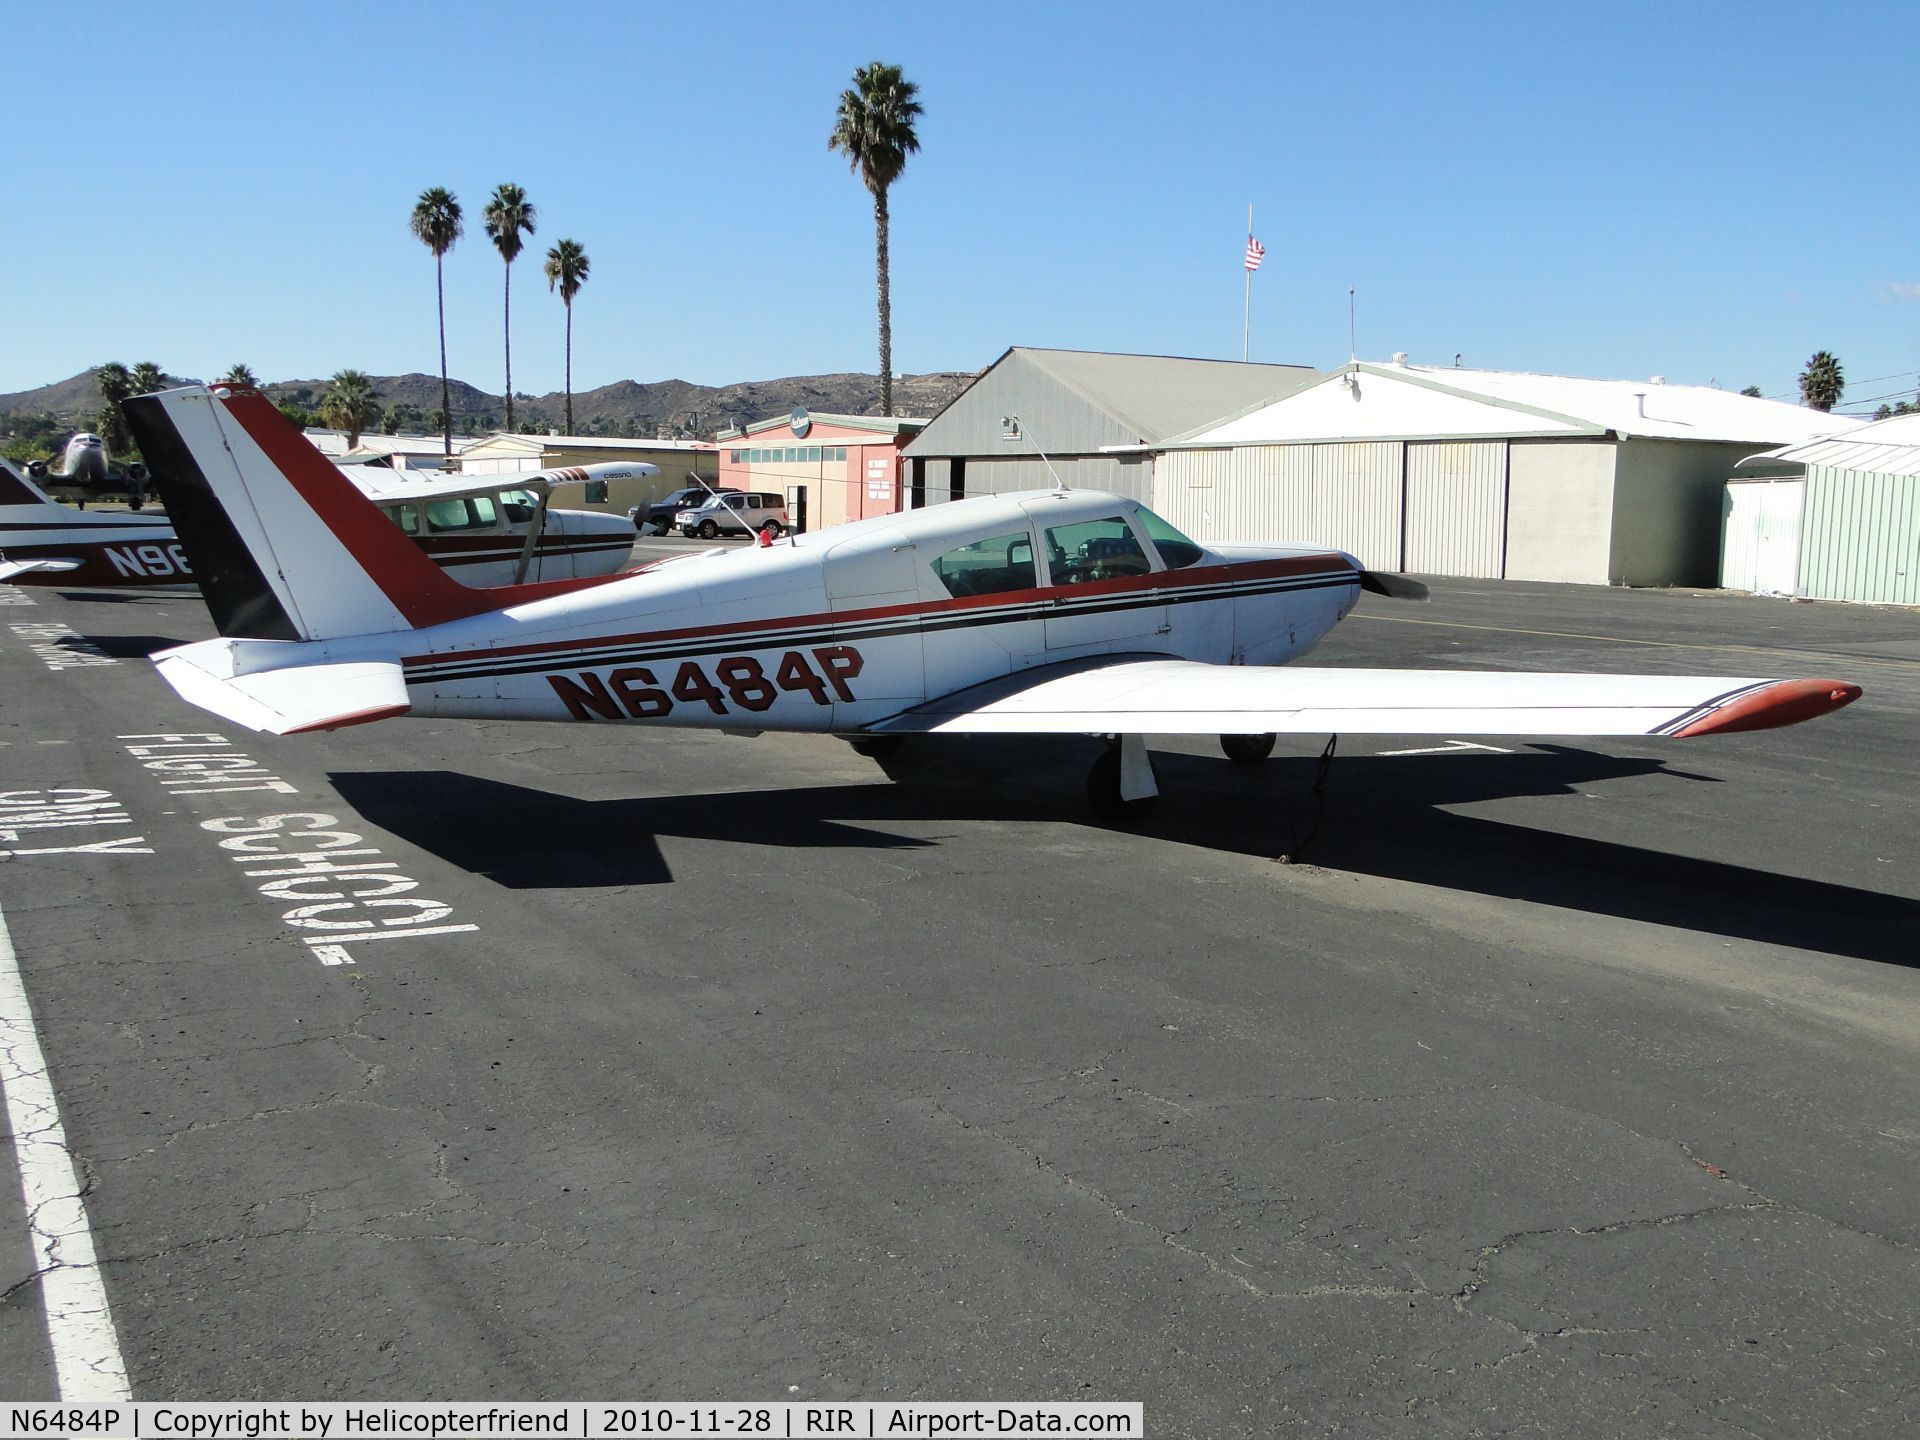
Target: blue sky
(1708, 192)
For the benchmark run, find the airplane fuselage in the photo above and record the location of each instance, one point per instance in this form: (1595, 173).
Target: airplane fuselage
(84, 461)
(100, 549)
(837, 630)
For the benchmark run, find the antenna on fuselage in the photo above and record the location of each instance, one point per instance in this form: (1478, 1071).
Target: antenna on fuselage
(1011, 428)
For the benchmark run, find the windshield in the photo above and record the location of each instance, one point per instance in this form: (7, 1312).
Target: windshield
(1176, 549)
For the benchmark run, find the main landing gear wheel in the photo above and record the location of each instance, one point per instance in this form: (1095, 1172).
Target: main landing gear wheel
(1246, 749)
(877, 747)
(1120, 786)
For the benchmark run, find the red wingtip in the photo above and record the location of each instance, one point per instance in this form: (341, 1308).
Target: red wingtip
(1785, 702)
(358, 717)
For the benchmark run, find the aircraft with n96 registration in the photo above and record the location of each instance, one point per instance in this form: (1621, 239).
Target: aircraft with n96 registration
(1063, 611)
(485, 530)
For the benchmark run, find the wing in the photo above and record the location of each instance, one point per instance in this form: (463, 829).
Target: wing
(1148, 695)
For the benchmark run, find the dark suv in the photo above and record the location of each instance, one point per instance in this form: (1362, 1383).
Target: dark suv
(657, 519)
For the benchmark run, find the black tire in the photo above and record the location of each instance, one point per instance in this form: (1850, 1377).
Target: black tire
(708, 530)
(877, 747)
(1246, 749)
(773, 530)
(1103, 792)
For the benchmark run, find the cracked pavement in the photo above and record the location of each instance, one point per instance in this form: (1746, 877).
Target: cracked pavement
(1569, 1092)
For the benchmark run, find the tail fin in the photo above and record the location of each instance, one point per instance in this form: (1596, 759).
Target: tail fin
(284, 546)
(17, 489)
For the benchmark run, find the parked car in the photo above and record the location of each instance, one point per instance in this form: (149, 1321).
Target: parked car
(659, 516)
(735, 513)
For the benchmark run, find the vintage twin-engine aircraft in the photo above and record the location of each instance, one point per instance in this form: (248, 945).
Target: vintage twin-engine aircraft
(485, 530)
(44, 542)
(1048, 611)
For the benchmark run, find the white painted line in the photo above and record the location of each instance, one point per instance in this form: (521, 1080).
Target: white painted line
(86, 1352)
(1450, 748)
(399, 932)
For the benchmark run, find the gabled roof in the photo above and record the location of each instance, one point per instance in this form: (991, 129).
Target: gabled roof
(334, 443)
(1158, 396)
(1883, 447)
(513, 441)
(1398, 401)
(878, 424)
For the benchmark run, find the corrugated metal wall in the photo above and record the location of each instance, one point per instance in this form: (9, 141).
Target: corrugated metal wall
(1349, 496)
(996, 477)
(1356, 500)
(1860, 539)
(1760, 536)
(1344, 496)
(1457, 507)
(1255, 492)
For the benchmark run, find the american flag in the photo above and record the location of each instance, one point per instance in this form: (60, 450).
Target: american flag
(1256, 252)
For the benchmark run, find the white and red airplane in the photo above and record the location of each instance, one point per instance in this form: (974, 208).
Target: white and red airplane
(1043, 612)
(486, 530)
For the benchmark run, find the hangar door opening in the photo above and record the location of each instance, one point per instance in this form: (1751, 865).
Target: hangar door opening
(1457, 508)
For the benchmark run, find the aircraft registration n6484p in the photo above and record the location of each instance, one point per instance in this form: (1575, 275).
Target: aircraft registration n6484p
(1065, 611)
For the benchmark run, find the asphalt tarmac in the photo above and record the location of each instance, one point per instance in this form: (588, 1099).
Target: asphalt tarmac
(1563, 1088)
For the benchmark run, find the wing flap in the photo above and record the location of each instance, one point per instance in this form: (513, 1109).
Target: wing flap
(236, 681)
(1173, 697)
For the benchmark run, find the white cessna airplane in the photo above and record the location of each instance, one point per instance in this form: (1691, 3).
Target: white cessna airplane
(1048, 611)
(486, 530)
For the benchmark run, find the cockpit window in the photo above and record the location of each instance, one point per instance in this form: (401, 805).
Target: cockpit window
(1175, 549)
(518, 506)
(475, 513)
(1095, 550)
(987, 567)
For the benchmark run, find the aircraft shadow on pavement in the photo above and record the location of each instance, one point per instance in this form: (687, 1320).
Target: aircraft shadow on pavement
(528, 839)
(1386, 816)
(129, 647)
(121, 597)
(1383, 816)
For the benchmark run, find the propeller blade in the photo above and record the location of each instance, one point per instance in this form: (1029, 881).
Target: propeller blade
(1397, 587)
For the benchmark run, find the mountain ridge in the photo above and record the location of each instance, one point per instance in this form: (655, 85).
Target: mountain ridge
(624, 407)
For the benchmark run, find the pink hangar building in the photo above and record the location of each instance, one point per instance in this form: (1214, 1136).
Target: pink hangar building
(830, 468)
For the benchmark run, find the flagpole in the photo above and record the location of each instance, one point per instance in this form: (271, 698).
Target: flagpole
(1246, 304)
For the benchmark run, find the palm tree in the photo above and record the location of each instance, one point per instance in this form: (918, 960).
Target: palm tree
(436, 224)
(1822, 383)
(147, 377)
(874, 130)
(350, 405)
(116, 385)
(509, 214)
(240, 375)
(566, 269)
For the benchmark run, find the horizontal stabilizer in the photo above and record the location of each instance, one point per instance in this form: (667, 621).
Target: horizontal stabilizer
(238, 681)
(1153, 696)
(47, 566)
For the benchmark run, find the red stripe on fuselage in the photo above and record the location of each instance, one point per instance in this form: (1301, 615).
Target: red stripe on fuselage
(1167, 582)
